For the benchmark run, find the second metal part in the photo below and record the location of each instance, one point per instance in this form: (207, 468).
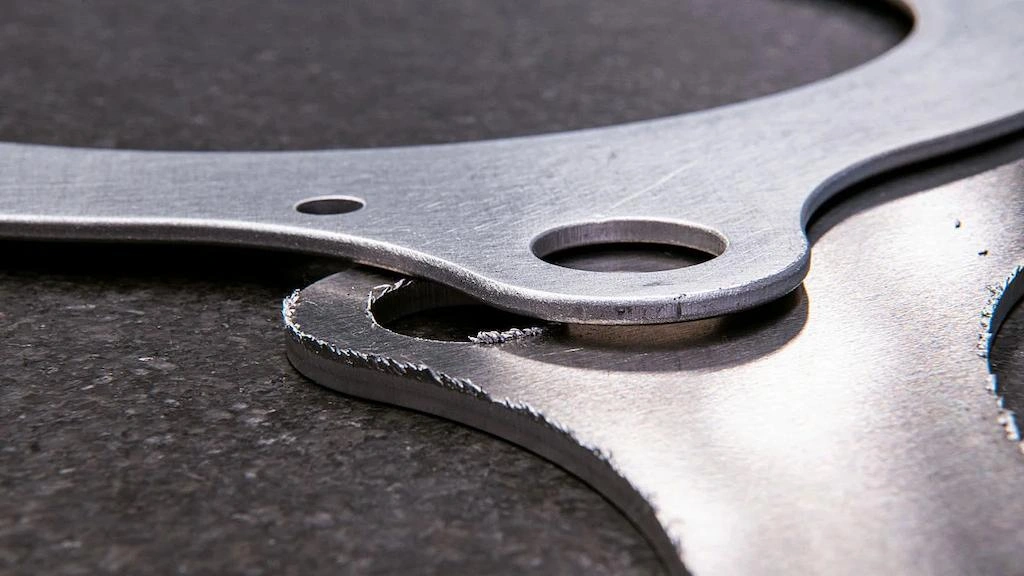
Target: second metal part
(850, 428)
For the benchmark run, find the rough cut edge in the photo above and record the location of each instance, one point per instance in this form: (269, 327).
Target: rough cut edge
(377, 362)
(426, 374)
(502, 336)
(486, 337)
(990, 320)
(377, 292)
(419, 372)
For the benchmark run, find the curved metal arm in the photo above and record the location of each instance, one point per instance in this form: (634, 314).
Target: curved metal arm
(741, 180)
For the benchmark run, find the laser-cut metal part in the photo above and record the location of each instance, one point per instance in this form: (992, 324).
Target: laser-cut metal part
(849, 428)
(741, 179)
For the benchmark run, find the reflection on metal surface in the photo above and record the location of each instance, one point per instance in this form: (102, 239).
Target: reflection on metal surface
(738, 181)
(848, 429)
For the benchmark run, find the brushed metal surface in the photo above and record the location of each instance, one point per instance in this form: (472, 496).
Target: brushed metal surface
(849, 428)
(741, 180)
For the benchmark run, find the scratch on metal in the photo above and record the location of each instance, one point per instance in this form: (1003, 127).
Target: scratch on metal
(650, 187)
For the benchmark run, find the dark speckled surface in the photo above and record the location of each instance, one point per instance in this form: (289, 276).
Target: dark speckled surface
(149, 421)
(152, 425)
(245, 74)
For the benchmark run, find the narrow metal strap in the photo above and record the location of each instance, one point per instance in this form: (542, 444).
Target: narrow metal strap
(740, 181)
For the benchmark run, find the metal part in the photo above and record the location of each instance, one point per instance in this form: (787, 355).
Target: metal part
(739, 181)
(849, 428)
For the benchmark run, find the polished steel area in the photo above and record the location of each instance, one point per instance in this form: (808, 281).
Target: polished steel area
(851, 427)
(739, 181)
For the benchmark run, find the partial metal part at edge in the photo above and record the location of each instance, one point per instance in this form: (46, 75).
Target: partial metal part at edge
(740, 181)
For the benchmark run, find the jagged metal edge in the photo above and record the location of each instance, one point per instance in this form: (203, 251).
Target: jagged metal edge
(1007, 419)
(501, 336)
(426, 374)
(485, 337)
(377, 292)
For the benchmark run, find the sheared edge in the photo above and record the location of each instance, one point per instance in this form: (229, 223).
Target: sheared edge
(1007, 419)
(426, 374)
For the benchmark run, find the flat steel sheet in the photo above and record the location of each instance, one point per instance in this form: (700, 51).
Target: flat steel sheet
(738, 182)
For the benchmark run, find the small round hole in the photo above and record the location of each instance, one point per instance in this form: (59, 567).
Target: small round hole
(326, 205)
(628, 246)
